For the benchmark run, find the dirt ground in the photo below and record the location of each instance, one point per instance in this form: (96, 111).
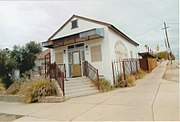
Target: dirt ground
(172, 71)
(8, 117)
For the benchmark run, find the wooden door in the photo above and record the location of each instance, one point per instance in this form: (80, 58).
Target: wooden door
(76, 64)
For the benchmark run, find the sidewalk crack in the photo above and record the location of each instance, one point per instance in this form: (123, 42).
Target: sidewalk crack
(152, 106)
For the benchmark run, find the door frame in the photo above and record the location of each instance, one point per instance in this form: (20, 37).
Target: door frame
(79, 52)
(70, 51)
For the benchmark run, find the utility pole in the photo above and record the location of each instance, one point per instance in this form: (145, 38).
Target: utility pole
(169, 48)
(165, 44)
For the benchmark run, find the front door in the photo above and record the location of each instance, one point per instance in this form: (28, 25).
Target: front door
(76, 64)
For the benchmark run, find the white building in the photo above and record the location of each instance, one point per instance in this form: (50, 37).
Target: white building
(97, 42)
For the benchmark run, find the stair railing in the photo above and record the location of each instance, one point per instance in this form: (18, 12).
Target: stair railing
(58, 75)
(92, 73)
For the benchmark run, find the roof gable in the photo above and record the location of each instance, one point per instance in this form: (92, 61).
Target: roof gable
(113, 28)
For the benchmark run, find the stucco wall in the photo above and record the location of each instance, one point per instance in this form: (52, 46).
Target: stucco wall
(82, 26)
(103, 66)
(114, 38)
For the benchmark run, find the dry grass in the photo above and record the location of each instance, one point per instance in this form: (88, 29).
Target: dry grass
(32, 89)
(104, 85)
(37, 90)
(16, 86)
(120, 82)
(130, 79)
(2, 88)
(140, 74)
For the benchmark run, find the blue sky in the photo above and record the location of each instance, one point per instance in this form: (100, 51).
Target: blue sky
(141, 20)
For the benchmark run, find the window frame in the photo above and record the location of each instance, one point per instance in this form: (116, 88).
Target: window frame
(97, 53)
(75, 25)
(57, 54)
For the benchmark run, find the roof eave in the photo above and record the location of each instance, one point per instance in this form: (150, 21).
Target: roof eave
(123, 35)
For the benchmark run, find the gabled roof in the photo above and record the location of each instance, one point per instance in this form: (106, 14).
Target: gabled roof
(110, 26)
(147, 55)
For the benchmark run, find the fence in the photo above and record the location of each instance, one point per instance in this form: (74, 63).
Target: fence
(124, 67)
(47, 62)
(92, 73)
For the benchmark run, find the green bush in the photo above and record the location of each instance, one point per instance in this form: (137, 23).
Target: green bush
(38, 89)
(104, 85)
(165, 55)
(130, 80)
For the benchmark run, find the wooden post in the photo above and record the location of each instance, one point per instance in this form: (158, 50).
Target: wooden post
(113, 72)
(119, 66)
(124, 70)
(98, 79)
(64, 70)
(55, 70)
(136, 66)
(63, 86)
(131, 65)
(45, 68)
(86, 68)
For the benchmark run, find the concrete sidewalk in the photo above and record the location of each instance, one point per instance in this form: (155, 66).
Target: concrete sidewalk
(151, 99)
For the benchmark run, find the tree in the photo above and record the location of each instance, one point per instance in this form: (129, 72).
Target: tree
(25, 56)
(157, 48)
(7, 67)
(164, 55)
(21, 58)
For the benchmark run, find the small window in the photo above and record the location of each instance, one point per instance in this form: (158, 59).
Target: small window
(96, 53)
(74, 24)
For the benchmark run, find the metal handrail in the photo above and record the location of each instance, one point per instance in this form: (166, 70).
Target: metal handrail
(58, 75)
(90, 69)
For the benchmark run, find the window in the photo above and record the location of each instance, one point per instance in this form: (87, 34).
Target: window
(59, 57)
(74, 24)
(96, 53)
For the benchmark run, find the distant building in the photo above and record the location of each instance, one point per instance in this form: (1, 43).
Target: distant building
(40, 62)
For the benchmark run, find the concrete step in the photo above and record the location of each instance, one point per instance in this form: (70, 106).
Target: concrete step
(72, 91)
(76, 87)
(85, 93)
(72, 87)
(77, 84)
(77, 81)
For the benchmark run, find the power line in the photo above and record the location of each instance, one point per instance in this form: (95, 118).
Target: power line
(148, 30)
(172, 23)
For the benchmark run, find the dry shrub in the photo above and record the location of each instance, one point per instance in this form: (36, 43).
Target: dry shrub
(120, 82)
(130, 79)
(104, 85)
(15, 87)
(38, 89)
(2, 88)
(140, 74)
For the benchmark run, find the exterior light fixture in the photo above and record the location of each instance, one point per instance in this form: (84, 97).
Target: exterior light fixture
(86, 47)
(64, 51)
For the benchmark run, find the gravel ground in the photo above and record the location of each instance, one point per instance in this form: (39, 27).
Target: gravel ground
(172, 72)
